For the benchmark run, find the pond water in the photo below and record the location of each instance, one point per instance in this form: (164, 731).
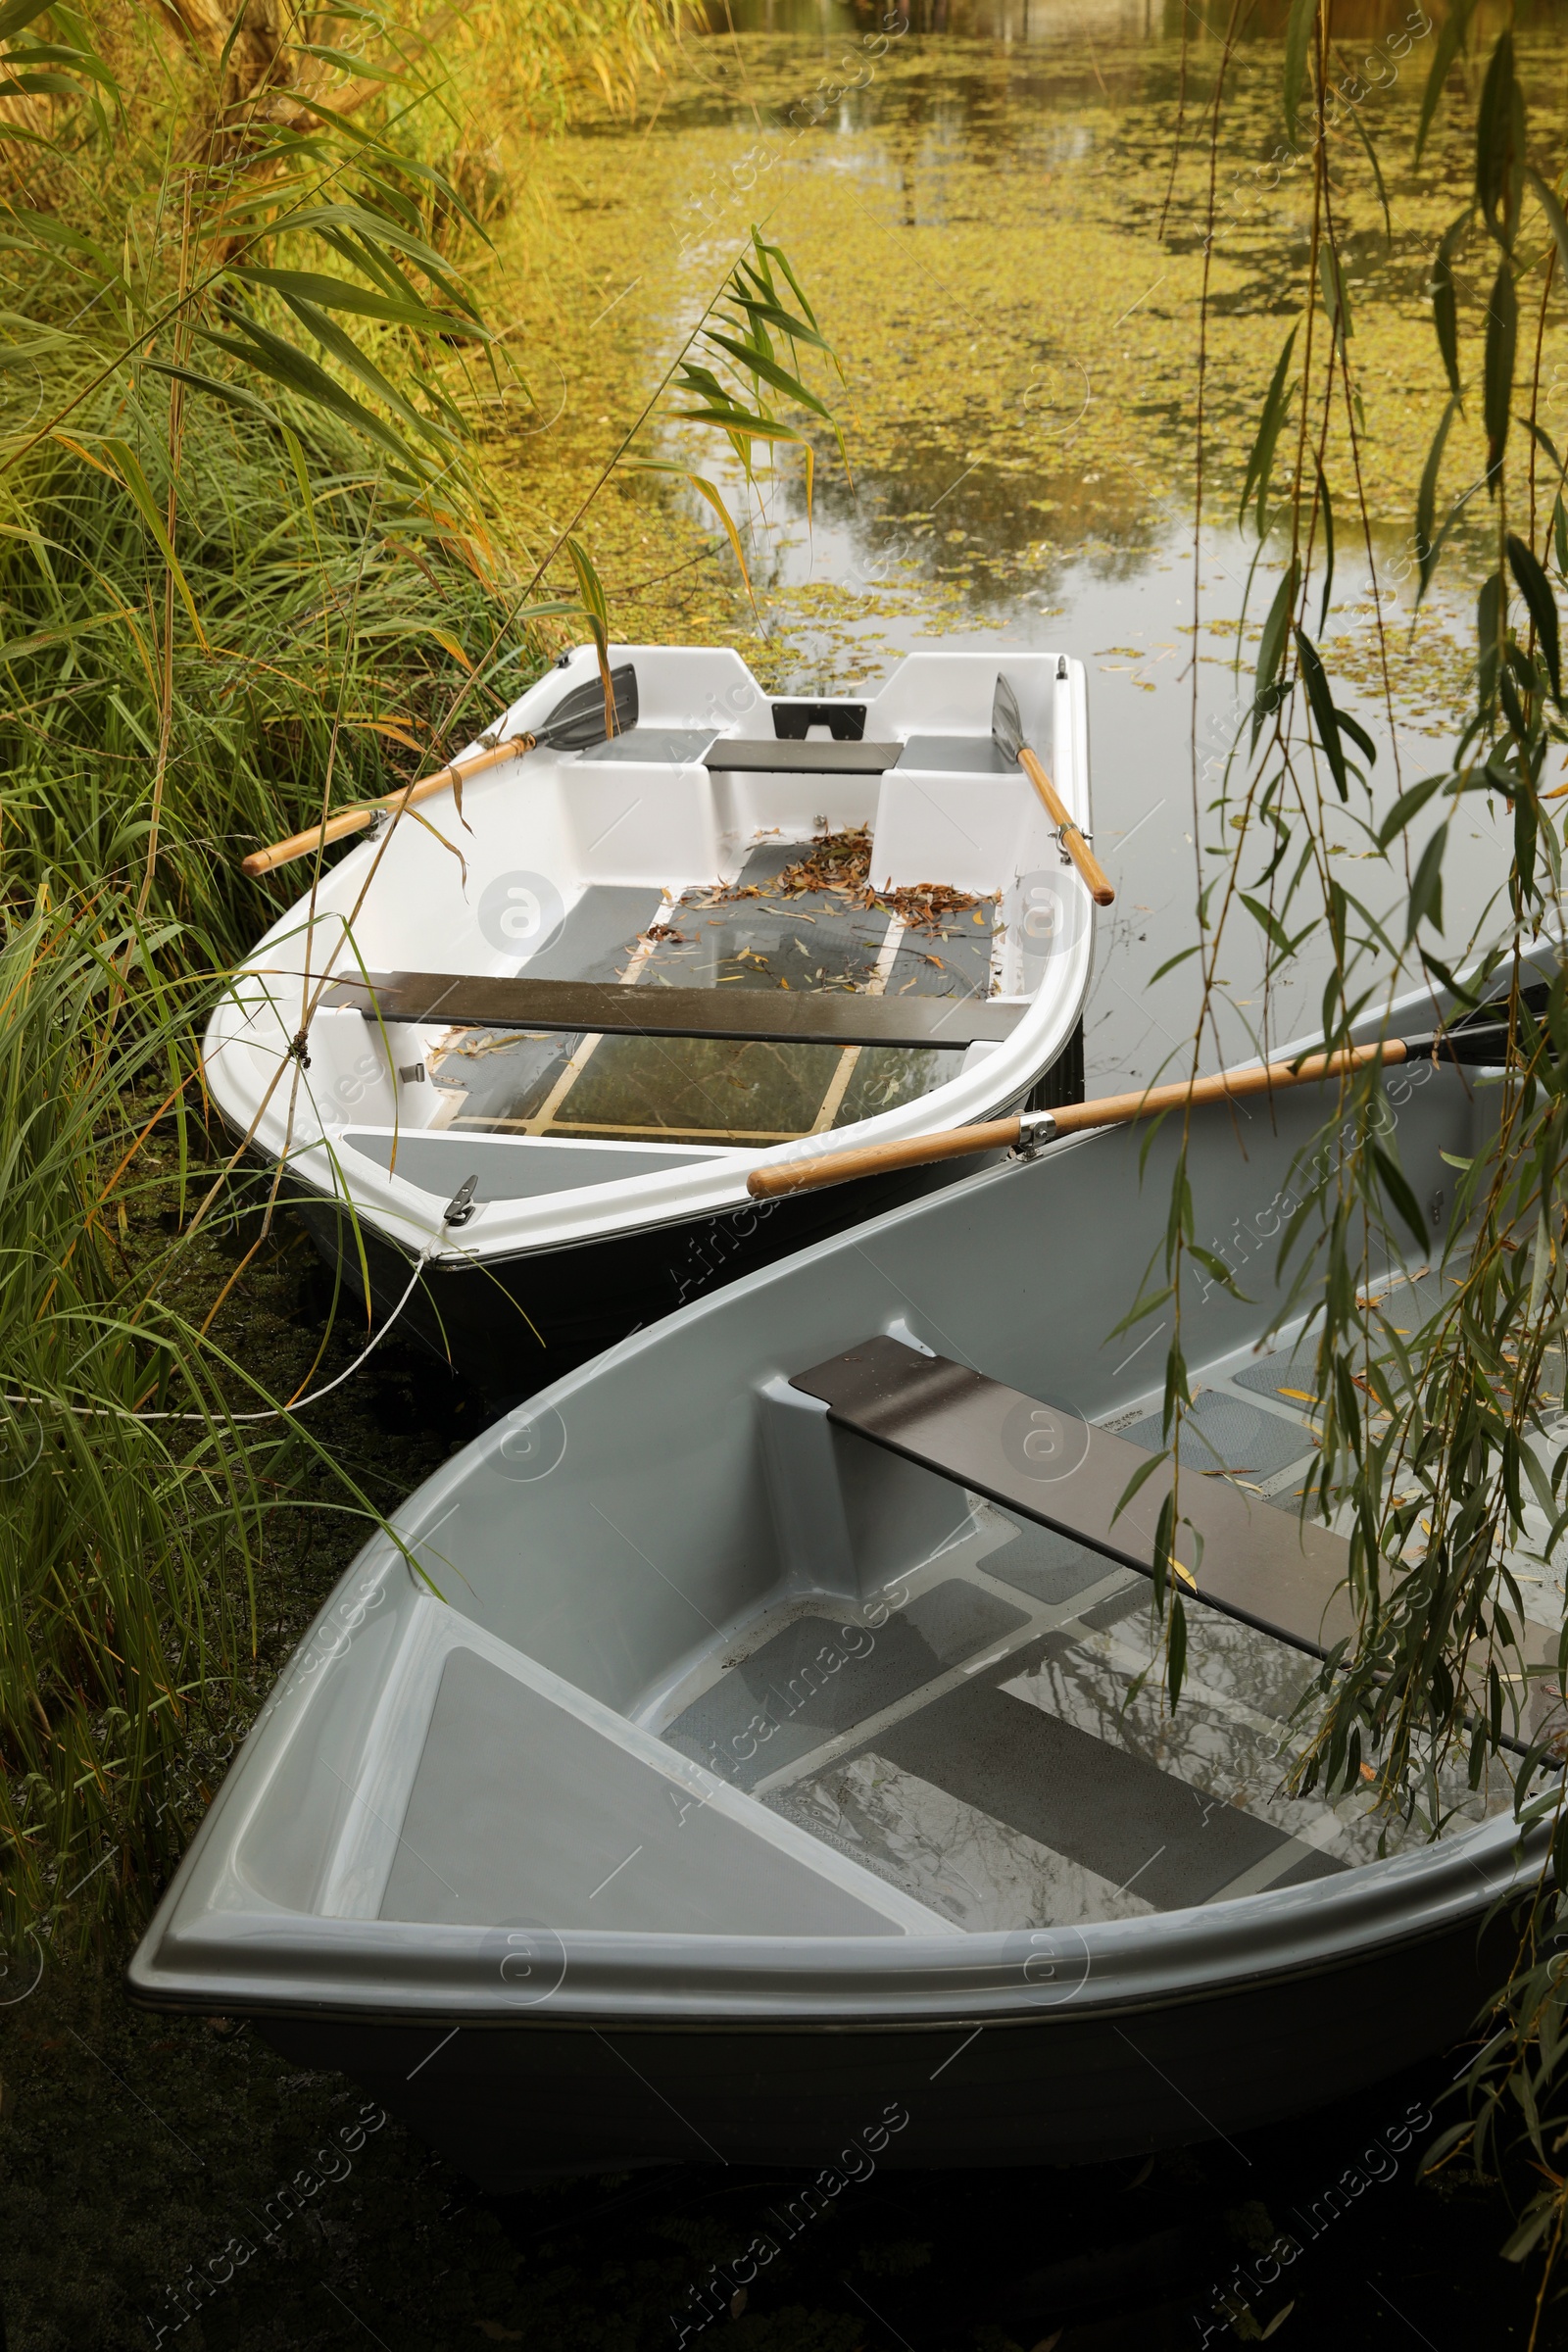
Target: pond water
(999, 215)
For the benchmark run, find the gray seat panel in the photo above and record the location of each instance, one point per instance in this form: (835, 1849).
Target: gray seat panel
(674, 746)
(1049, 1567)
(1221, 1432)
(814, 1679)
(1121, 1817)
(598, 934)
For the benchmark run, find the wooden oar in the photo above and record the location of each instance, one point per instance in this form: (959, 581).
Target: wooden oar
(1006, 733)
(1484, 1044)
(575, 725)
(364, 812)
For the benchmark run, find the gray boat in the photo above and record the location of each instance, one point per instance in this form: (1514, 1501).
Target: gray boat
(754, 1745)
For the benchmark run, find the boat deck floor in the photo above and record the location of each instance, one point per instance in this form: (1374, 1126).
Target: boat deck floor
(750, 935)
(992, 1736)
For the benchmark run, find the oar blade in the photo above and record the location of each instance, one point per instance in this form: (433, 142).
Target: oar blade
(1007, 722)
(577, 721)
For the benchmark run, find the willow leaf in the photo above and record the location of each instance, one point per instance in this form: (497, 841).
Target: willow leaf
(1499, 143)
(1326, 504)
(1271, 649)
(1267, 922)
(1537, 593)
(1260, 459)
(1543, 441)
(1218, 1270)
(1428, 549)
(1397, 1187)
(1365, 137)
(1426, 891)
(1359, 736)
(1491, 607)
(1171, 962)
(1176, 1654)
(1502, 335)
(1298, 36)
(1556, 219)
(1323, 712)
(1444, 303)
(1145, 1470)
(1336, 298)
(1450, 37)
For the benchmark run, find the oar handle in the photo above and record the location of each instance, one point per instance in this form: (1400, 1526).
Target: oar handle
(1073, 1118)
(354, 820)
(1072, 839)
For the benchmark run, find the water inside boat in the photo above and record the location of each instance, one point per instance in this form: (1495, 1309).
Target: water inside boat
(768, 929)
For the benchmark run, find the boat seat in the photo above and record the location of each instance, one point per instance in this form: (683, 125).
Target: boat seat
(755, 755)
(1285, 1575)
(1262, 1565)
(791, 755)
(955, 755)
(766, 1015)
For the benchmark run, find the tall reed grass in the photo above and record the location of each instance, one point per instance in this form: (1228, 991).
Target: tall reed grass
(128, 1540)
(249, 569)
(237, 559)
(240, 567)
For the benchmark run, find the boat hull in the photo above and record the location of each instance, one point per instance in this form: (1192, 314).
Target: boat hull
(657, 879)
(511, 2103)
(512, 1324)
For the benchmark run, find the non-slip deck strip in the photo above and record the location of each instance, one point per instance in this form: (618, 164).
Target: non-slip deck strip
(1264, 1566)
(737, 1014)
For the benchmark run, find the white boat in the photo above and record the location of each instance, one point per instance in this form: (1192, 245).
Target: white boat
(757, 1739)
(560, 1026)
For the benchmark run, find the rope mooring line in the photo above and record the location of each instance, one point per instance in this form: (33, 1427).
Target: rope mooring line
(276, 1413)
